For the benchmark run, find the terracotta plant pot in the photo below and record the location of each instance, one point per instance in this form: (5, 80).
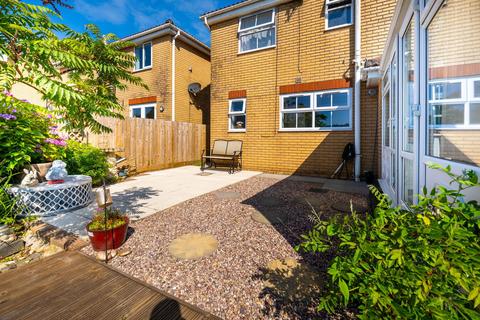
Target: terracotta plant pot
(114, 237)
(41, 168)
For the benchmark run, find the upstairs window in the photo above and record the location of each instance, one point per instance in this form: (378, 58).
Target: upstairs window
(338, 13)
(237, 115)
(257, 31)
(143, 56)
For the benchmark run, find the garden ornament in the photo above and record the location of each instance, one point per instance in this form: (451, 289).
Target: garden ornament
(57, 173)
(30, 179)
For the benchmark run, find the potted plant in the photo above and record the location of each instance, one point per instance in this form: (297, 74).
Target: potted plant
(108, 231)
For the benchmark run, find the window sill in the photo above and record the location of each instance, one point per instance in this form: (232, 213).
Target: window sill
(312, 129)
(255, 50)
(339, 27)
(140, 70)
(237, 130)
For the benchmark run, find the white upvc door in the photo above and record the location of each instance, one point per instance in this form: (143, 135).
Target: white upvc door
(408, 148)
(390, 130)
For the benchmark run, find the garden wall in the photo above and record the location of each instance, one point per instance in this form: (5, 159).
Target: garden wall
(149, 144)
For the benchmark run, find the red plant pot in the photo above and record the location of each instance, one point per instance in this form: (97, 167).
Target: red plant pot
(114, 237)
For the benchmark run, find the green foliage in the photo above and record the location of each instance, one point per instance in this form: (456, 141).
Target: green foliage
(8, 211)
(27, 135)
(417, 263)
(86, 159)
(77, 74)
(115, 219)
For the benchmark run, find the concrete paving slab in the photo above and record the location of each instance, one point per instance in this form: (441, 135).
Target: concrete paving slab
(73, 221)
(151, 192)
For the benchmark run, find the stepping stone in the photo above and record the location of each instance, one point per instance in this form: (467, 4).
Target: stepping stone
(318, 190)
(193, 246)
(271, 202)
(270, 217)
(292, 280)
(227, 195)
(204, 174)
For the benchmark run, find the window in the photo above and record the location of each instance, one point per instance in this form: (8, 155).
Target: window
(257, 31)
(237, 115)
(146, 111)
(323, 110)
(143, 55)
(338, 13)
(454, 103)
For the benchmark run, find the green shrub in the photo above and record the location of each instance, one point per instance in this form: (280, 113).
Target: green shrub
(27, 135)
(8, 211)
(86, 159)
(416, 263)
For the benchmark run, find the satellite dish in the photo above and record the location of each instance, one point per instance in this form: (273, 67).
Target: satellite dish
(194, 88)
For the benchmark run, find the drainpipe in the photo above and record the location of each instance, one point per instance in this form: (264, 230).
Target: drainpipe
(173, 73)
(357, 88)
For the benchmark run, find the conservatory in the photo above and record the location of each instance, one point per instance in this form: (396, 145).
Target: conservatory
(430, 95)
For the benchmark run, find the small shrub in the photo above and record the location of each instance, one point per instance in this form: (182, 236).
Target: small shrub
(88, 160)
(416, 263)
(27, 135)
(115, 219)
(8, 211)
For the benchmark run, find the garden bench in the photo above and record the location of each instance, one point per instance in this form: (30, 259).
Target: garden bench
(228, 152)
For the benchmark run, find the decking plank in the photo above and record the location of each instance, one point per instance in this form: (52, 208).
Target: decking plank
(71, 285)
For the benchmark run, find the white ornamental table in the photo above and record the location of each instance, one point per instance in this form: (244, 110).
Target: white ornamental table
(49, 199)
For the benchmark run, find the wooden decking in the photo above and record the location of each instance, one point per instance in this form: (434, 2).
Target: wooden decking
(73, 286)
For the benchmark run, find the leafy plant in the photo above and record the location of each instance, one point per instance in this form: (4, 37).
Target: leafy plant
(115, 219)
(27, 135)
(77, 74)
(86, 159)
(8, 210)
(417, 263)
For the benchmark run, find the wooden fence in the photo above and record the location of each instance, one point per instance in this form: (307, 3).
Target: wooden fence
(152, 144)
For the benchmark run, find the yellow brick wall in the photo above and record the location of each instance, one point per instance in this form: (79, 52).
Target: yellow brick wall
(158, 79)
(191, 66)
(304, 52)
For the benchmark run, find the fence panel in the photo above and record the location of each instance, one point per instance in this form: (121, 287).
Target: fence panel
(152, 144)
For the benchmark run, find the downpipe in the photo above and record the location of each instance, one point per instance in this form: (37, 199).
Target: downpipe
(358, 70)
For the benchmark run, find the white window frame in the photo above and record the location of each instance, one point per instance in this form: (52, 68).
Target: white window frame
(257, 28)
(327, 10)
(314, 108)
(237, 113)
(465, 99)
(143, 67)
(142, 107)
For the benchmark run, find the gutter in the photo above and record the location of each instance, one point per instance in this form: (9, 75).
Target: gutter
(358, 76)
(174, 38)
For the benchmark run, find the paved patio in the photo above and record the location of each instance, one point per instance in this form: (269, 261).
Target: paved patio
(148, 193)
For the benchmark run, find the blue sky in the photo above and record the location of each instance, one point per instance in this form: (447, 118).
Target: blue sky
(124, 17)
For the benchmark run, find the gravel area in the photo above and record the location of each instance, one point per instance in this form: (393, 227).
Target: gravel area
(234, 282)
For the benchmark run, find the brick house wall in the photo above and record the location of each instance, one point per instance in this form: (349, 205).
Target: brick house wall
(305, 53)
(191, 66)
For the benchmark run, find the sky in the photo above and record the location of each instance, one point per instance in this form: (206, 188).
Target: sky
(125, 17)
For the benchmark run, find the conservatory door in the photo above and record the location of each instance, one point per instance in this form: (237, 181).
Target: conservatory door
(408, 121)
(390, 137)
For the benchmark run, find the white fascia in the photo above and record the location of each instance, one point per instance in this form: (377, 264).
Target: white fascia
(240, 10)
